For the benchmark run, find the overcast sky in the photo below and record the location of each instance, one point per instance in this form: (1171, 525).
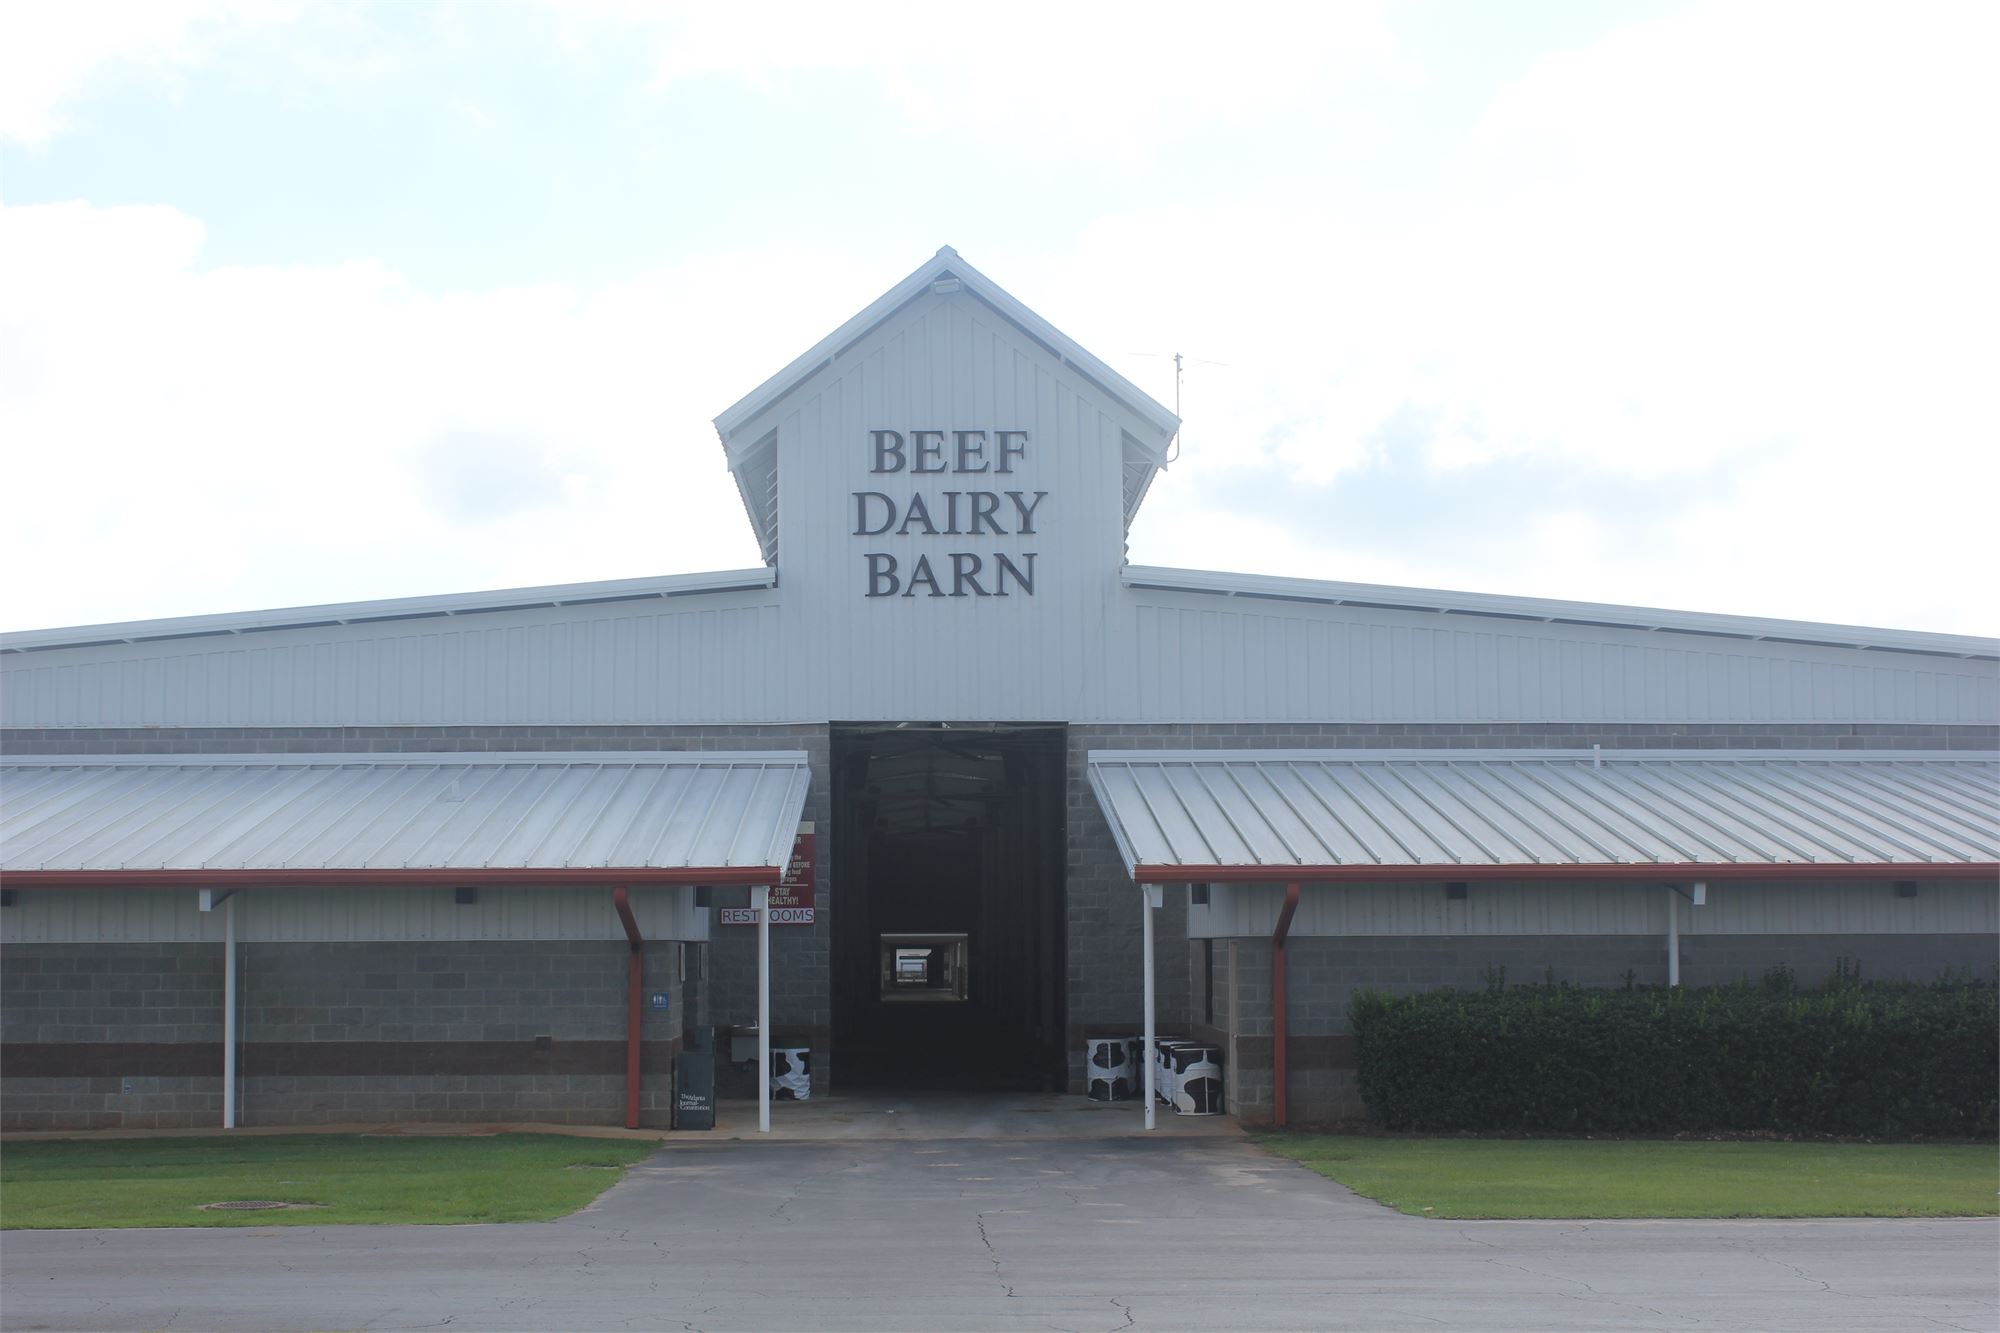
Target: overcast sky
(1668, 304)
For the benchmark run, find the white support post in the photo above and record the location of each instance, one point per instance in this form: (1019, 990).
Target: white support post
(1149, 899)
(1673, 936)
(760, 899)
(229, 1013)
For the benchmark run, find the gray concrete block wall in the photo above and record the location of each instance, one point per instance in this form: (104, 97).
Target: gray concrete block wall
(1712, 960)
(122, 1010)
(144, 1102)
(433, 991)
(1105, 955)
(544, 1099)
(110, 993)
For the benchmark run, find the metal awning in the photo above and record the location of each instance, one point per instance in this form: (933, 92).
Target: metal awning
(330, 819)
(1315, 815)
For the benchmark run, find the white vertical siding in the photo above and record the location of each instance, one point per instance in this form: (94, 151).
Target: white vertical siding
(711, 658)
(1582, 908)
(948, 363)
(1237, 660)
(114, 916)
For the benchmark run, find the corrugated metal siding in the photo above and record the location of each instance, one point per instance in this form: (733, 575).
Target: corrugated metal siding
(401, 812)
(1086, 649)
(712, 658)
(1473, 809)
(130, 916)
(1223, 662)
(1852, 908)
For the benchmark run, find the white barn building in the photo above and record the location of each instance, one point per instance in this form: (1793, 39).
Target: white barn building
(488, 856)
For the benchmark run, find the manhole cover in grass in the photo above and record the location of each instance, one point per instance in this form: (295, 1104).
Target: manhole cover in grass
(252, 1205)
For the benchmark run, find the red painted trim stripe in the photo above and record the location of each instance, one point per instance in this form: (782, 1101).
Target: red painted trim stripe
(635, 981)
(1649, 872)
(1281, 1026)
(553, 877)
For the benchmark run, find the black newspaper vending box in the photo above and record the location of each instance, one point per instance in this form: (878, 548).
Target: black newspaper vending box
(694, 1081)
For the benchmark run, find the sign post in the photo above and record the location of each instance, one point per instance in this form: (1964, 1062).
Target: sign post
(761, 897)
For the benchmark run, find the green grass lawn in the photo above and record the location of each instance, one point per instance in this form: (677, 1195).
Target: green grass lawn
(1467, 1178)
(355, 1178)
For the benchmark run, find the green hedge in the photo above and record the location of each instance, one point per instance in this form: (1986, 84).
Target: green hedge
(1863, 1059)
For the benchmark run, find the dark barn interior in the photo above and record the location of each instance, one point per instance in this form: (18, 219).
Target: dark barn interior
(948, 940)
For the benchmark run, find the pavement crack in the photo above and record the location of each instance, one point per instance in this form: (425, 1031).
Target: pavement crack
(1827, 1287)
(992, 1254)
(1123, 1309)
(1594, 1293)
(1552, 1277)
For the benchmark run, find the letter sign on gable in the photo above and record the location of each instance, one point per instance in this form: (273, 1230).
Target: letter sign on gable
(996, 571)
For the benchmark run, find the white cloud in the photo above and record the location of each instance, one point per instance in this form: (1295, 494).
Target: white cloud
(1742, 243)
(1063, 77)
(185, 440)
(53, 54)
(1738, 239)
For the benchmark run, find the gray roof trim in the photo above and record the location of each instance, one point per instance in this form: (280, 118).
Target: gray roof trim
(946, 263)
(1600, 615)
(1459, 812)
(399, 608)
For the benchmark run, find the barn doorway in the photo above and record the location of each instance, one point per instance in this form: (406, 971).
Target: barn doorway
(948, 857)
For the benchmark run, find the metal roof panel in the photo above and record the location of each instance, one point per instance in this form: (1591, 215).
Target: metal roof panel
(389, 813)
(1349, 811)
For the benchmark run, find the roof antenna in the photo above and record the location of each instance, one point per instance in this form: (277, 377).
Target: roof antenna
(1180, 373)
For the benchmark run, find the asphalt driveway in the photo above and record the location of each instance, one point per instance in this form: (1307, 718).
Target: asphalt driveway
(1081, 1234)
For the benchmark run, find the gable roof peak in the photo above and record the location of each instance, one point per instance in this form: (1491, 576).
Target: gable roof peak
(752, 456)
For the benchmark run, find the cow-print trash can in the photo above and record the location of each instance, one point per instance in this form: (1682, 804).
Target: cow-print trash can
(1197, 1079)
(1163, 1068)
(791, 1073)
(1113, 1074)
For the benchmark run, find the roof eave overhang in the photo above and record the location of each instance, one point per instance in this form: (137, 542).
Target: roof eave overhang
(1650, 872)
(419, 877)
(1599, 615)
(395, 609)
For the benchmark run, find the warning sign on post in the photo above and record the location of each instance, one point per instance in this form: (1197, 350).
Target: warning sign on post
(795, 890)
(792, 898)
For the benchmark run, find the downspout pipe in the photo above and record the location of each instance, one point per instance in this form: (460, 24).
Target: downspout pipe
(1280, 1012)
(634, 1011)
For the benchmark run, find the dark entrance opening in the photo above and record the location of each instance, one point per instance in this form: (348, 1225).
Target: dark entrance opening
(948, 859)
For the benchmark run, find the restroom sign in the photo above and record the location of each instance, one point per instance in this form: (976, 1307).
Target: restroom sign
(792, 896)
(780, 916)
